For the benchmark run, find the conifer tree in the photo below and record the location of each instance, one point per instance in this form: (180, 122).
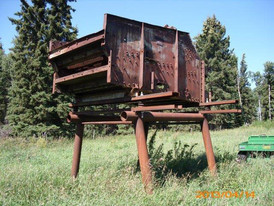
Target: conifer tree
(2, 87)
(5, 81)
(32, 109)
(258, 90)
(221, 67)
(247, 100)
(268, 90)
(264, 91)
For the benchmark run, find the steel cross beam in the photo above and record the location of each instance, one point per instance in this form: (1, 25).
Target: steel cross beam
(142, 118)
(140, 121)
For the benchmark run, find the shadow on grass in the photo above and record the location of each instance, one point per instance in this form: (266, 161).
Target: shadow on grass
(180, 160)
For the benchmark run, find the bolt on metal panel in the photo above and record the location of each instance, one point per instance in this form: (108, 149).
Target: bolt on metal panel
(127, 59)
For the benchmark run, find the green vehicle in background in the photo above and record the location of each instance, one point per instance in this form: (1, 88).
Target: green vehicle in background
(256, 145)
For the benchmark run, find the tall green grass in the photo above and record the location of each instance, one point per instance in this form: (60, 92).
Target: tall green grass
(37, 171)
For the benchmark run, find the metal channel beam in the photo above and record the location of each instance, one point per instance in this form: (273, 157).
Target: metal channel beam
(159, 116)
(155, 108)
(77, 44)
(221, 111)
(218, 103)
(108, 122)
(82, 74)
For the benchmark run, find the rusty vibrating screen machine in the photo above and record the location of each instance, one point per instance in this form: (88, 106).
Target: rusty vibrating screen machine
(149, 68)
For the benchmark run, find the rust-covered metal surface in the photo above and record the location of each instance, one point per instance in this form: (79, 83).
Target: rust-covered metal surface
(128, 59)
(151, 67)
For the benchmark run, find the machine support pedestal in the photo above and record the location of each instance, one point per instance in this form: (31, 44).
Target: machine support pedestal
(77, 149)
(208, 148)
(140, 131)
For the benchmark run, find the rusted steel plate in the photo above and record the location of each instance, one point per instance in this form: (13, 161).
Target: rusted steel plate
(142, 59)
(202, 99)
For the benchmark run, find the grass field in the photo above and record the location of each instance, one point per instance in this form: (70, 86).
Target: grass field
(37, 171)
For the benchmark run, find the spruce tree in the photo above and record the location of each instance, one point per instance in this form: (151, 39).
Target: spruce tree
(5, 81)
(247, 100)
(268, 90)
(264, 91)
(59, 21)
(221, 67)
(2, 87)
(258, 91)
(33, 110)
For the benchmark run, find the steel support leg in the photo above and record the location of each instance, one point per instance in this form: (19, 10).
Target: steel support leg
(146, 133)
(143, 155)
(208, 148)
(77, 150)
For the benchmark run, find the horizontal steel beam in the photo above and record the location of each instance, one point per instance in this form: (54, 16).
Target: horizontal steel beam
(159, 116)
(108, 122)
(98, 112)
(218, 103)
(82, 74)
(174, 123)
(158, 107)
(221, 111)
(74, 118)
(73, 45)
(155, 96)
(100, 102)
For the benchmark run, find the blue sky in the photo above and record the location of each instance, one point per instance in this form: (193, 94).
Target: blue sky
(249, 23)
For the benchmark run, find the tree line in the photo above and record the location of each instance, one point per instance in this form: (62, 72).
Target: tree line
(28, 108)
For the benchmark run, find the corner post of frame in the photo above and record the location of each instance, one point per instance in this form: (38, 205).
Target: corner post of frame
(77, 149)
(141, 137)
(208, 148)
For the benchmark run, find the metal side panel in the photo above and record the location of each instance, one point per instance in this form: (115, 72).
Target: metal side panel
(189, 69)
(122, 37)
(160, 56)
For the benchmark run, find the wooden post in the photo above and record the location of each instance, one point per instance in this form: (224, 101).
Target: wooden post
(77, 150)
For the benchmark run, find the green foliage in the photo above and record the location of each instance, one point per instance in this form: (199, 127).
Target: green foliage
(5, 82)
(32, 109)
(267, 100)
(247, 98)
(2, 88)
(264, 91)
(221, 67)
(40, 175)
(99, 130)
(178, 160)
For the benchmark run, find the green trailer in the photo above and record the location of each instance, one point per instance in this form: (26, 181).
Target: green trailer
(256, 145)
